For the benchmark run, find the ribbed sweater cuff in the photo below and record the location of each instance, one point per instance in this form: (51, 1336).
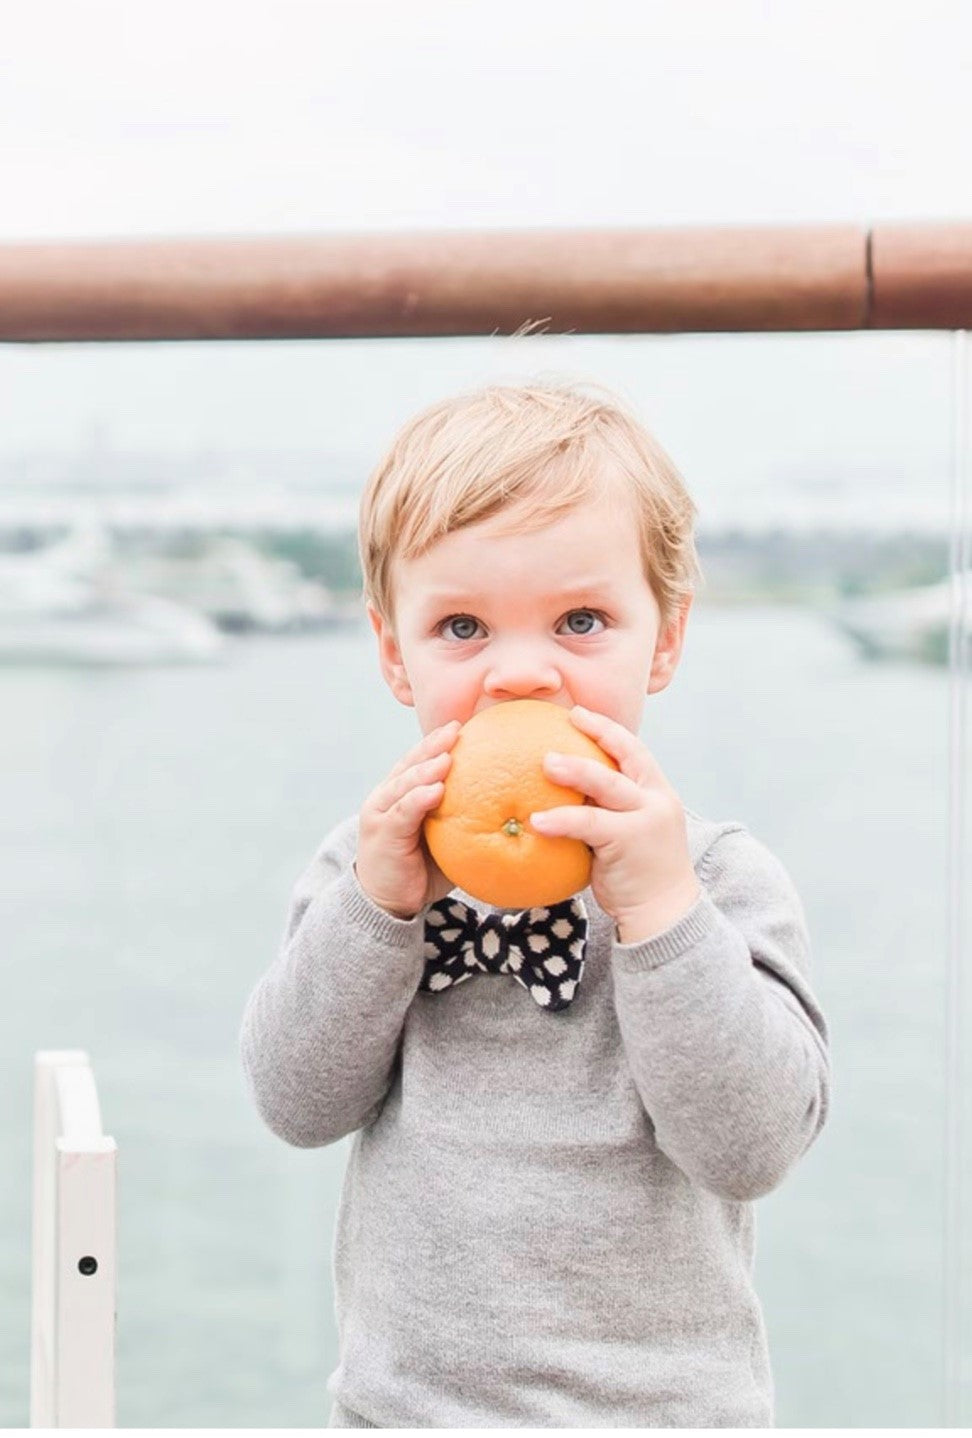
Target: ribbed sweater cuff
(672, 942)
(366, 914)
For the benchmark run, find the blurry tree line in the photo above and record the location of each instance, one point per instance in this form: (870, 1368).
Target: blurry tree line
(783, 565)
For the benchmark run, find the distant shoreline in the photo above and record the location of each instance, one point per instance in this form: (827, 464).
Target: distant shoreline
(740, 564)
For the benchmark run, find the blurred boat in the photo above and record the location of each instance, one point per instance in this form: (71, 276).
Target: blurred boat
(910, 623)
(61, 605)
(238, 588)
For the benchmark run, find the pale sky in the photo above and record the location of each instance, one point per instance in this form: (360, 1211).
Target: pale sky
(124, 117)
(164, 117)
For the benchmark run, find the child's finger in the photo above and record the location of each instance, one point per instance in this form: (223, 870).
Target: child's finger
(588, 776)
(412, 807)
(574, 821)
(436, 741)
(395, 789)
(629, 752)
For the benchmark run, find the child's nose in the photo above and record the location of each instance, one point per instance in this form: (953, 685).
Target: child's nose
(522, 674)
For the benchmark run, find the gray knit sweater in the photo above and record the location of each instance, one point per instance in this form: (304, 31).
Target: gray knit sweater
(547, 1218)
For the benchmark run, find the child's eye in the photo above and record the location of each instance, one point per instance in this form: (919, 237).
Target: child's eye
(587, 614)
(464, 619)
(470, 624)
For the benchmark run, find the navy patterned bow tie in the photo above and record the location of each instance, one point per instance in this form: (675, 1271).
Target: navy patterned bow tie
(543, 948)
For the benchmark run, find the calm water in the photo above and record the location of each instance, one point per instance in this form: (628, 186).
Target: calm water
(152, 825)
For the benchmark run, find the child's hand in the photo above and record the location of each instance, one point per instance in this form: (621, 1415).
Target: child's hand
(641, 872)
(393, 865)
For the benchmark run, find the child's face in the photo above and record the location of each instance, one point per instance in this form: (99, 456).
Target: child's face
(563, 614)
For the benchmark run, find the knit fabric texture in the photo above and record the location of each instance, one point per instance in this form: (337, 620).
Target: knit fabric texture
(547, 1218)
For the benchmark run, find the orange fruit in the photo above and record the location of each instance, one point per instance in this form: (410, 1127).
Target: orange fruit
(480, 834)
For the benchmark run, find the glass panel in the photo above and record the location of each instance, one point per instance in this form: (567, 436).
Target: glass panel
(957, 1267)
(155, 814)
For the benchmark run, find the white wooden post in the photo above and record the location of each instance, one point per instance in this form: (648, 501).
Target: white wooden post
(72, 1359)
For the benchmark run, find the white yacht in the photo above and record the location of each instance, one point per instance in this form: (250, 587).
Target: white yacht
(237, 587)
(62, 605)
(907, 623)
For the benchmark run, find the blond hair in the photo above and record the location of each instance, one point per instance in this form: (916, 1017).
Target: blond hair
(537, 450)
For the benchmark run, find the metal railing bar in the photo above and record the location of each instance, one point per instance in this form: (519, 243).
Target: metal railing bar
(726, 279)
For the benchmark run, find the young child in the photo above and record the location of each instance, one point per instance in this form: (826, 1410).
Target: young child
(547, 1214)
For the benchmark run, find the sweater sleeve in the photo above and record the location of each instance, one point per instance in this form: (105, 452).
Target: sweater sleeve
(725, 1041)
(321, 1028)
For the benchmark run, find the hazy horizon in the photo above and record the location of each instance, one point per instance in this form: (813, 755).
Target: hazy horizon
(857, 428)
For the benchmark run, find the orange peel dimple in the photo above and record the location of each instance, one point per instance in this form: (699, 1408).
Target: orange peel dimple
(480, 834)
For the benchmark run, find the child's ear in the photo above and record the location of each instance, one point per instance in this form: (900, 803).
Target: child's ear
(668, 649)
(390, 659)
